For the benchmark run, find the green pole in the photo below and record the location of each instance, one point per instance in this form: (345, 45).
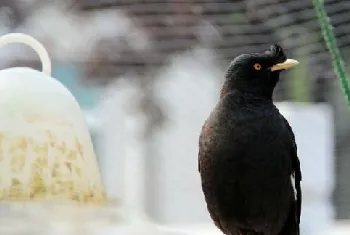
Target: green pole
(330, 40)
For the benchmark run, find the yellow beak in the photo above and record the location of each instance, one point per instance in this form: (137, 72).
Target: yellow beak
(289, 63)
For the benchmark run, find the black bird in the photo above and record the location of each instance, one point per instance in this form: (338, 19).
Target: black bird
(247, 159)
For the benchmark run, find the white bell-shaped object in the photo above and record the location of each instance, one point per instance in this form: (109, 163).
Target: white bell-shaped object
(46, 151)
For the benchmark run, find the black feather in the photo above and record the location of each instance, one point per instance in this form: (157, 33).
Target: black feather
(247, 154)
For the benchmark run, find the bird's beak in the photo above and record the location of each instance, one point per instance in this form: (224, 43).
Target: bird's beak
(289, 63)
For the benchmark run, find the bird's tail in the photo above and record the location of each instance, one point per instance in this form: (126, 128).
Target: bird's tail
(252, 233)
(247, 232)
(291, 226)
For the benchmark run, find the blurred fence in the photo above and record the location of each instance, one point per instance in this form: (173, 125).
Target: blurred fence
(144, 36)
(232, 27)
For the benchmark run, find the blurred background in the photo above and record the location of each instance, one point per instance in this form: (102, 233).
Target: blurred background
(148, 72)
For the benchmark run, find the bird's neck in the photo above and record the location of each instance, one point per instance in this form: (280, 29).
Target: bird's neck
(259, 93)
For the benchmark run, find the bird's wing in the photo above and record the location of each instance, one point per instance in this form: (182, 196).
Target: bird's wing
(201, 144)
(201, 152)
(296, 172)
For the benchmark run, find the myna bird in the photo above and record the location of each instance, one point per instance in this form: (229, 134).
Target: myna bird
(247, 159)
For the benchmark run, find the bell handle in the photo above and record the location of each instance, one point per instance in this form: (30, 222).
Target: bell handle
(34, 44)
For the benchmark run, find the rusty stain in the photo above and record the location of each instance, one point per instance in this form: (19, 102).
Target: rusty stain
(62, 184)
(78, 146)
(62, 147)
(69, 166)
(23, 143)
(49, 134)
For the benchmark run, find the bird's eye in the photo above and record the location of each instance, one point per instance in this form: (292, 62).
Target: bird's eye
(257, 66)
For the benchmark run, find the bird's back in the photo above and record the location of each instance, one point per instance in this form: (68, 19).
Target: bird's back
(245, 165)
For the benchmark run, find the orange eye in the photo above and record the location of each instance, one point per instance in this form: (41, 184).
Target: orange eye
(257, 66)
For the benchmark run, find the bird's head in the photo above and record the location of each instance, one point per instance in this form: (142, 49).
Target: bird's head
(257, 73)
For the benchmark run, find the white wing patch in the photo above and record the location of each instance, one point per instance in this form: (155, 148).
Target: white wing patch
(292, 177)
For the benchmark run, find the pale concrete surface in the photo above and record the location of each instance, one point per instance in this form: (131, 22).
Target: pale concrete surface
(69, 219)
(339, 228)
